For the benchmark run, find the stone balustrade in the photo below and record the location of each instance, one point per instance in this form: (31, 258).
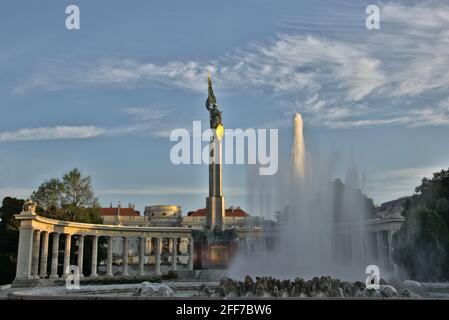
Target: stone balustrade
(37, 231)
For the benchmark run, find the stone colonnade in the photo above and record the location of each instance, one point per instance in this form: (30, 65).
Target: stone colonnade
(384, 229)
(34, 261)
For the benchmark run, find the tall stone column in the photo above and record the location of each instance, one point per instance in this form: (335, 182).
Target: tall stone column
(249, 250)
(174, 257)
(68, 243)
(125, 257)
(215, 203)
(190, 254)
(380, 248)
(25, 254)
(93, 272)
(80, 254)
(109, 271)
(150, 244)
(170, 244)
(54, 256)
(157, 267)
(36, 246)
(142, 246)
(44, 254)
(390, 248)
(390, 252)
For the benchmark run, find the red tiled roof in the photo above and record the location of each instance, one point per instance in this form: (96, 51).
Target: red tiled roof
(123, 212)
(230, 212)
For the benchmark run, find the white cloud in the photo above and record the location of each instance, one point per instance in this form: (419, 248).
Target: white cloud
(146, 121)
(185, 75)
(51, 133)
(342, 79)
(288, 64)
(147, 114)
(423, 46)
(429, 14)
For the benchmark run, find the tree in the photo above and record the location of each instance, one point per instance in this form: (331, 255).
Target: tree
(71, 198)
(434, 193)
(421, 245)
(9, 238)
(77, 193)
(48, 195)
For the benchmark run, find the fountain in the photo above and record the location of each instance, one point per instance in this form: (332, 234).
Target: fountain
(321, 228)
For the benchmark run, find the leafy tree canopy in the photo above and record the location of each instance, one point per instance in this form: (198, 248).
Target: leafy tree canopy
(71, 198)
(421, 246)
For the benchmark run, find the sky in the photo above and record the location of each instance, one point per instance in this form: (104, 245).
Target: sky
(105, 98)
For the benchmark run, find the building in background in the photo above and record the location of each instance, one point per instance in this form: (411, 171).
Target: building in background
(163, 215)
(248, 228)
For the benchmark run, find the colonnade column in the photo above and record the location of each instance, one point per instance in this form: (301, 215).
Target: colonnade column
(44, 255)
(109, 271)
(390, 248)
(380, 248)
(25, 254)
(93, 270)
(125, 257)
(142, 247)
(68, 243)
(157, 267)
(54, 256)
(36, 246)
(190, 254)
(390, 251)
(80, 254)
(174, 262)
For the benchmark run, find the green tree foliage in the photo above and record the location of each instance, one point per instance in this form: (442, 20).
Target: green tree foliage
(434, 194)
(9, 238)
(421, 246)
(71, 198)
(48, 196)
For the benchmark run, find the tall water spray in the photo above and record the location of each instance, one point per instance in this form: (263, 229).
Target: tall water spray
(321, 227)
(298, 149)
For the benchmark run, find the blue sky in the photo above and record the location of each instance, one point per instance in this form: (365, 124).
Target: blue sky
(104, 98)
